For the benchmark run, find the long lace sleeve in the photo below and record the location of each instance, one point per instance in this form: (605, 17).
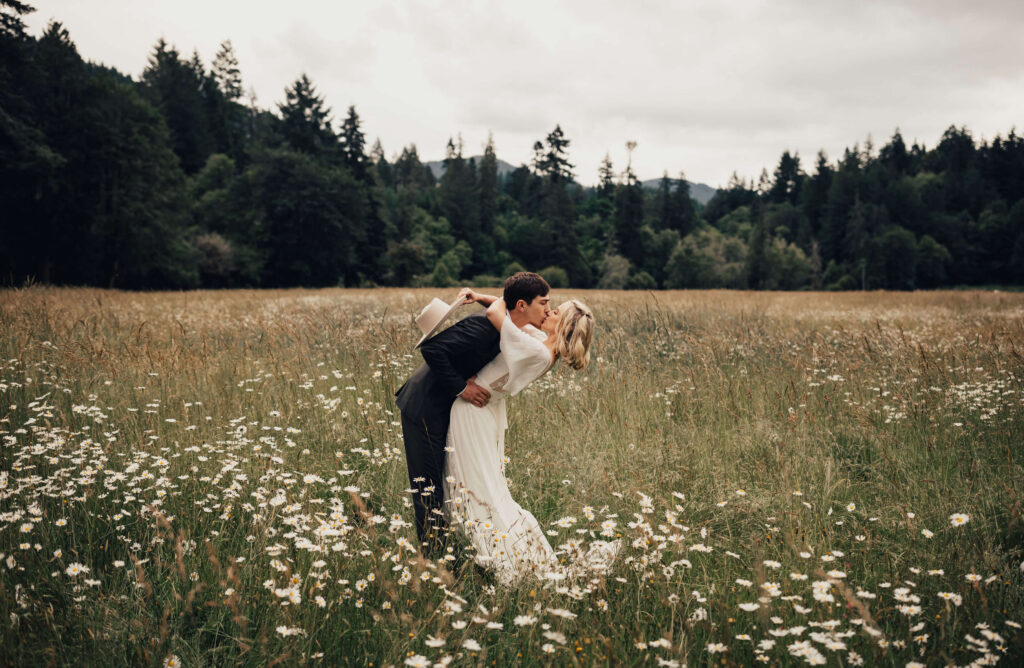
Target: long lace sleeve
(526, 356)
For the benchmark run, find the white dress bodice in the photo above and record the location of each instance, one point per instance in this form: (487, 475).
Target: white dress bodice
(523, 359)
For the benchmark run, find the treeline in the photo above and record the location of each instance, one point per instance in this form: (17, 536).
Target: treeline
(177, 181)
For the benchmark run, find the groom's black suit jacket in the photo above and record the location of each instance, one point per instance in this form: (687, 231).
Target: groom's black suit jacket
(425, 401)
(451, 357)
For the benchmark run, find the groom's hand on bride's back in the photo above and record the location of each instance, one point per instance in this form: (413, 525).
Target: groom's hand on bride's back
(475, 394)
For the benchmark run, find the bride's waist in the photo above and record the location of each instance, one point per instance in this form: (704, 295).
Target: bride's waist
(495, 406)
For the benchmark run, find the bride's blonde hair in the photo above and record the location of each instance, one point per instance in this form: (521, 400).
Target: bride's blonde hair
(574, 333)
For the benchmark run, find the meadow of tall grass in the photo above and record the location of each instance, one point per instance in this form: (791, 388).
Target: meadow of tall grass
(218, 478)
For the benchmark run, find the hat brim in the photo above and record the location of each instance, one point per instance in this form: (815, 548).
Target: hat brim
(451, 307)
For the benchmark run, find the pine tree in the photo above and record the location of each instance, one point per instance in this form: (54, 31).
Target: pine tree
(306, 121)
(629, 217)
(369, 254)
(757, 256)
(843, 192)
(459, 195)
(230, 121)
(139, 212)
(786, 181)
(815, 194)
(62, 111)
(552, 161)
(763, 183)
(488, 188)
(225, 73)
(606, 178)
(311, 212)
(665, 204)
(385, 171)
(175, 87)
(685, 220)
(894, 155)
(353, 145)
(11, 25)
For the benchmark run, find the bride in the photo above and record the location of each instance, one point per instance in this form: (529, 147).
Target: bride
(506, 538)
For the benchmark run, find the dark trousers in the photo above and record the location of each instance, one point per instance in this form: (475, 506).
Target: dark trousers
(425, 457)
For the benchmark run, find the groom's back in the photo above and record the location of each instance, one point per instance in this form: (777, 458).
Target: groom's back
(460, 351)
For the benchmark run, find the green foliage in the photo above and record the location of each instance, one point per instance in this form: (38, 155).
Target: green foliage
(708, 258)
(551, 158)
(176, 87)
(301, 203)
(310, 215)
(932, 262)
(629, 220)
(306, 120)
(788, 267)
(485, 281)
(139, 219)
(894, 258)
(513, 268)
(736, 223)
(555, 276)
(615, 273)
(641, 281)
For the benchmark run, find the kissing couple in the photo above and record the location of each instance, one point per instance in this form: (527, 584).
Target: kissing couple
(454, 422)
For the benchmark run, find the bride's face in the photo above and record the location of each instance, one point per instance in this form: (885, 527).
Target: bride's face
(551, 324)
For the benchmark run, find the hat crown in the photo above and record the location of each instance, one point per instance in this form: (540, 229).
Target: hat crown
(431, 315)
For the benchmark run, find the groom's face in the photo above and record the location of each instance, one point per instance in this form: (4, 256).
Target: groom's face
(536, 311)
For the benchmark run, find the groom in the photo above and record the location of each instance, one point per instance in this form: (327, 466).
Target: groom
(451, 362)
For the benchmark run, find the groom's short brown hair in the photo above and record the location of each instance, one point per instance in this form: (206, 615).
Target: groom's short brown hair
(524, 285)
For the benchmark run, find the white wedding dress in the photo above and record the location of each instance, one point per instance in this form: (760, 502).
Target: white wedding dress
(506, 538)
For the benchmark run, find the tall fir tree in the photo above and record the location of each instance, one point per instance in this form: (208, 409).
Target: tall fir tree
(629, 218)
(353, 145)
(815, 193)
(606, 178)
(664, 204)
(140, 215)
(787, 180)
(176, 88)
(306, 120)
(685, 220)
(225, 72)
(459, 195)
(229, 119)
(552, 161)
(489, 188)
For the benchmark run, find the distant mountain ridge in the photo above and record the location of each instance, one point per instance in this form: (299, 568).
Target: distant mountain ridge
(701, 192)
(437, 166)
(698, 191)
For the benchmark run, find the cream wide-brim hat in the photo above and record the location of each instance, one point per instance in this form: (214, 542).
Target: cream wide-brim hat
(432, 315)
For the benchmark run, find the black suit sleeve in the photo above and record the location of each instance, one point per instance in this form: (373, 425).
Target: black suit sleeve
(469, 334)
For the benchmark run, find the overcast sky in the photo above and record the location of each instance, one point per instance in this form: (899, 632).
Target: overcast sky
(707, 87)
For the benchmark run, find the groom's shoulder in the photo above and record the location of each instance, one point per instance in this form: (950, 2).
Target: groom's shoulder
(474, 325)
(475, 322)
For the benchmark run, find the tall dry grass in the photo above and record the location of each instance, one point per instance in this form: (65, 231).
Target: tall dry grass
(228, 467)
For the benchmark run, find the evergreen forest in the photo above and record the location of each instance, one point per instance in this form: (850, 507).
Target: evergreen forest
(178, 180)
